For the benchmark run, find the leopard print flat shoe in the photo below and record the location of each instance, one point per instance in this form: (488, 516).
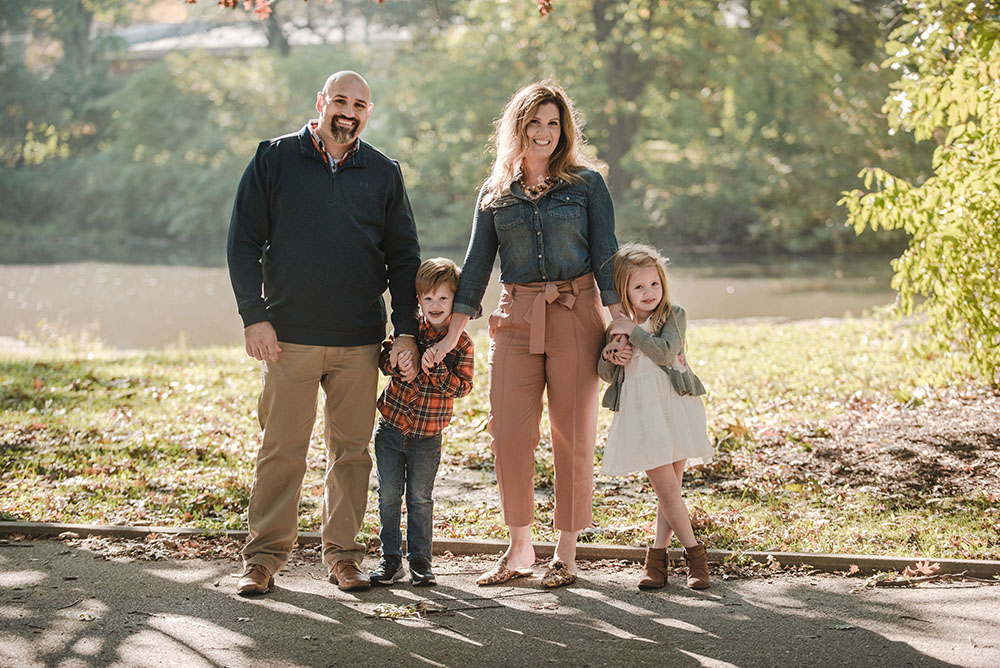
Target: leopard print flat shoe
(501, 573)
(557, 575)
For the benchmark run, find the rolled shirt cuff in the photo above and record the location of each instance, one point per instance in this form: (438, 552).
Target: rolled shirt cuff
(471, 311)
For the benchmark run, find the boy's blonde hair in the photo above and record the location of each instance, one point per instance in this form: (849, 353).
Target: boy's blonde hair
(436, 272)
(632, 256)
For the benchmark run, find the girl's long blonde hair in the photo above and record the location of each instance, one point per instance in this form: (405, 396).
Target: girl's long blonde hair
(511, 138)
(630, 257)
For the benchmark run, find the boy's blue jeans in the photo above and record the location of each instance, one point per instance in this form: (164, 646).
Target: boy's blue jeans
(410, 463)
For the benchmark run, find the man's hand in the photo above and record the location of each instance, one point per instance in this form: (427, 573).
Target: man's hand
(399, 345)
(261, 341)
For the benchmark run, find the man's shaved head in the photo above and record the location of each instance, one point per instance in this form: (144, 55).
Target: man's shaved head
(347, 78)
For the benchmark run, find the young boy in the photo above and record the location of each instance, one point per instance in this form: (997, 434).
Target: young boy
(408, 436)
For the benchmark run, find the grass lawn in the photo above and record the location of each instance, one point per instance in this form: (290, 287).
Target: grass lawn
(816, 427)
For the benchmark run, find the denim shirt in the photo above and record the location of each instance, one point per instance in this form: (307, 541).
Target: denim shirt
(567, 232)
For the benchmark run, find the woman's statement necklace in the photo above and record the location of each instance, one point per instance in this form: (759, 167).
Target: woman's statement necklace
(535, 191)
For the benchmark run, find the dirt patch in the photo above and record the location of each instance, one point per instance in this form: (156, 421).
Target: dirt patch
(948, 447)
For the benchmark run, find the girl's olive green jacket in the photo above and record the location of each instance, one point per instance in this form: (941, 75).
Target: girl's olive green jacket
(662, 347)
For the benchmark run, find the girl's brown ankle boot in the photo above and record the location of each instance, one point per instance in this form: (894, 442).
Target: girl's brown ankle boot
(696, 559)
(656, 569)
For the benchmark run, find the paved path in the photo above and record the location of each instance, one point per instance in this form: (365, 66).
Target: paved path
(64, 605)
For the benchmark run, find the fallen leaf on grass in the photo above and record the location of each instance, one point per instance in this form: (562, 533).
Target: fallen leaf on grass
(87, 617)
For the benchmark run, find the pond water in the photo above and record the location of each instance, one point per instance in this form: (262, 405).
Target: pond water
(142, 306)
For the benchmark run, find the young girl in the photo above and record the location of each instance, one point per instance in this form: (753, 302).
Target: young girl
(660, 418)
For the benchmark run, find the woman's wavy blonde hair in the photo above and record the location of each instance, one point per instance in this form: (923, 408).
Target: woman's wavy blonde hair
(632, 256)
(511, 138)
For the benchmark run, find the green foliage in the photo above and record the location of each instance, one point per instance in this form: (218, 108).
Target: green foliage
(715, 130)
(172, 129)
(948, 60)
(720, 125)
(167, 160)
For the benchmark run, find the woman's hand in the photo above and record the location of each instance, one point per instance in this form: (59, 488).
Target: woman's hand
(621, 326)
(618, 351)
(435, 354)
(428, 361)
(622, 356)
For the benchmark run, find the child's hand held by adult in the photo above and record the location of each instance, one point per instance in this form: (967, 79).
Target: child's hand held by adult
(404, 348)
(404, 362)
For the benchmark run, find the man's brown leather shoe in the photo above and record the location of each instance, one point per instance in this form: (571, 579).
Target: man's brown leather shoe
(347, 575)
(256, 580)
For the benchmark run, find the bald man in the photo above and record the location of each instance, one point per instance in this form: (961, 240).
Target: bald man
(320, 227)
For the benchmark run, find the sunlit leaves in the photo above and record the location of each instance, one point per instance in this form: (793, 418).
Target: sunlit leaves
(948, 91)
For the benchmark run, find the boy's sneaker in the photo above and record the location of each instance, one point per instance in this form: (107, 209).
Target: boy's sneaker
(420, 572)
(387, 572)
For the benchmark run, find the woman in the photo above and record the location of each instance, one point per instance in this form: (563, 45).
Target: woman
(550, 217)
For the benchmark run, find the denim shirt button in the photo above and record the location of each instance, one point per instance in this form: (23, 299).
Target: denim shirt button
(539, 257)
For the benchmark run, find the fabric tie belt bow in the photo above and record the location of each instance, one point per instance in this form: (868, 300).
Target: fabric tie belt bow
(563, 293)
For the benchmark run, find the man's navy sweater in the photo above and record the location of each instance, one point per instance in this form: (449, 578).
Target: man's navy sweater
(323, 245)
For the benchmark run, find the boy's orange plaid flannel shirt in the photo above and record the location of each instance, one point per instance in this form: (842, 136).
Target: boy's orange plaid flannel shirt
(423, 406)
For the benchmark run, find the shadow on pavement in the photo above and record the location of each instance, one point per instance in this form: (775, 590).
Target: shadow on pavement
(62, 605)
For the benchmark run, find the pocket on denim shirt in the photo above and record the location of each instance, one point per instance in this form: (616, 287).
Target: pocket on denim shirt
(507, 212)
(568, 204)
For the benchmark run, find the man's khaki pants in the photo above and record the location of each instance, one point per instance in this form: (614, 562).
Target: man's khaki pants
(286, 411)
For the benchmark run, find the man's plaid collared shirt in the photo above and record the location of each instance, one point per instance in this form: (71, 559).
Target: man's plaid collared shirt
(331, 162)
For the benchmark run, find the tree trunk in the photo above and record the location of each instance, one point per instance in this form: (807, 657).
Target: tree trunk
(625, 83)
(74, 34)
(276, 38)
